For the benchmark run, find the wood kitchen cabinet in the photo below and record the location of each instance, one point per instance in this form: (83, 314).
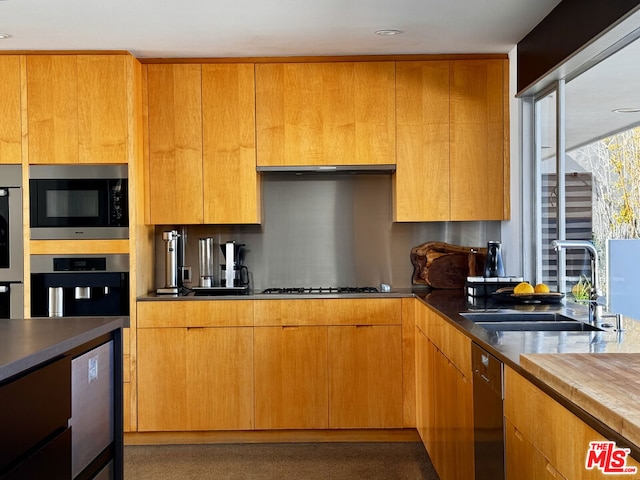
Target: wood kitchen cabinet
(10, 111)
(195, 366)
(175, 190)
(444, 395)
(549, 439)
(453, 141)
(365, 376)
(201, 164)
(77, 108)
(291, 377)
(340, 113)
(337, 363)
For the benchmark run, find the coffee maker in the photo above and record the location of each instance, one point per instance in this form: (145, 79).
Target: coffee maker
(234, 271)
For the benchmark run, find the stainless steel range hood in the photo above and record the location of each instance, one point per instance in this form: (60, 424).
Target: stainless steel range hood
(328, 169)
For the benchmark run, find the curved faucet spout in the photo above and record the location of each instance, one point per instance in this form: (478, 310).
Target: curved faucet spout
(594, 294)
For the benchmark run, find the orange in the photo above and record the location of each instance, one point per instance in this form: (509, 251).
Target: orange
(541, 288)
(523, 287)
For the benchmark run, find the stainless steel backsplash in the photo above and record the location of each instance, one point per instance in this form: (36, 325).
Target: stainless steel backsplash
(327, 230)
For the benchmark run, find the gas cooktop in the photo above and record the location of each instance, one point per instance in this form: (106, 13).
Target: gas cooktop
(316, 290)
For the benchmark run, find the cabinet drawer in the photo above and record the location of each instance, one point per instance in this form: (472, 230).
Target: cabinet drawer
(34, 407)
(455, 345)
(330, 311)
(215, 313)
(51, 461)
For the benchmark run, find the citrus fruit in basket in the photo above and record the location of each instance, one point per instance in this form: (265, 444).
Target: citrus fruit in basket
(523, 287)
(541, 288)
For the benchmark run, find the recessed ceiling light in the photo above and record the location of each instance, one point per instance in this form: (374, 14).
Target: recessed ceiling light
(388, 32)
(626, 110)
(4, 35)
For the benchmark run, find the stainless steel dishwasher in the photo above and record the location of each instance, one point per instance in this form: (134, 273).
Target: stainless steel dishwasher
(488, 420)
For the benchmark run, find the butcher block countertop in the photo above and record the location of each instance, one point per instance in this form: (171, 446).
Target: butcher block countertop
(604, 385)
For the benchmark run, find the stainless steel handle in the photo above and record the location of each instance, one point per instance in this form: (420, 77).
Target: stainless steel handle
(4, 192)
(4, 289)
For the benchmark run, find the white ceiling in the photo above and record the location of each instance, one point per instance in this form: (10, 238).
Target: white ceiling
(246, 28)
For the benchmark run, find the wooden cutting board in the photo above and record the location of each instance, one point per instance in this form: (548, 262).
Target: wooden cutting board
(606, 385)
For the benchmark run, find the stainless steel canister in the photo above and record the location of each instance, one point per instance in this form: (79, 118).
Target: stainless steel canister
(205, 257)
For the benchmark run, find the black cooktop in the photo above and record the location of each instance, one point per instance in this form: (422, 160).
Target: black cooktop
(315, 290)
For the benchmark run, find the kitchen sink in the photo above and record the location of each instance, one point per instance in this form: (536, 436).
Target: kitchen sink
(539, 326)
(528, 322)
(516, 317)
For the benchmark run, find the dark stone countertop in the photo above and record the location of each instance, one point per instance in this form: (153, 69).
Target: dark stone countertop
(509, 345)
(25, 343)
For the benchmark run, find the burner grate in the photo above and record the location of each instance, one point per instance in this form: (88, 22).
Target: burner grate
(316, 290)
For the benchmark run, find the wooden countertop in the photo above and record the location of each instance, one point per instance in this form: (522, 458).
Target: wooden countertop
(605, 385)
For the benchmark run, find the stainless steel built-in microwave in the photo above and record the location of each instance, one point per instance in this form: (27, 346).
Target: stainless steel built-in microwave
(78, 201)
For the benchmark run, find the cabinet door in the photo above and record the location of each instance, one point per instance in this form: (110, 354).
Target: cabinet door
(479, 175)
(425, 383)
(421, 181)
(162, 379)
(195, 379)
(175, 144)
(523, 461)
(453, 425)
(291, 377)
(220, 378)
(10, 112)
(325, 113)
(365, 376)
(102, 108)
(231, 184)
(52, 108)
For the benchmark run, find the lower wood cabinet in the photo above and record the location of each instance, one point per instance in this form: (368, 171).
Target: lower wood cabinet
(334, 363)
(291, 377)
(524, 461)
(444, 396)
(270, 364)
(365, 376)
(195, 378)
(545, 439)
(195, 365)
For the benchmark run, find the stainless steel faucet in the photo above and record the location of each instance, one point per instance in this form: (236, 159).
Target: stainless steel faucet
(595, 310)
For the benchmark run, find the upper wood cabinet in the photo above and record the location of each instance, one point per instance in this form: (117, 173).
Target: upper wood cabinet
(421, 181)
(202, 166)
(325, 113)
(479, 166)
(77, 108)
(10, 127)
(231, 184)
(453, 139)
(175, 144)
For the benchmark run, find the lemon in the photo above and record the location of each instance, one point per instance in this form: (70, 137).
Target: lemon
(541, 288)
(523, 287)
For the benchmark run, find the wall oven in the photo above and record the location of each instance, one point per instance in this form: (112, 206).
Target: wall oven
(78, 201)
(11, 249)
(78, 286)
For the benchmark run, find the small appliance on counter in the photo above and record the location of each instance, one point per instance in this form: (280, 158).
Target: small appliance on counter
(170, 238)
(493, 266)
(234, 277)
(206, 248)
(78, 286)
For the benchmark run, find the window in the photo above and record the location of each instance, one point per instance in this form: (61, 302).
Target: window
(587, 157)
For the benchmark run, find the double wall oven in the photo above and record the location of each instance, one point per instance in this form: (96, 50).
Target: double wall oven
(11, 250)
